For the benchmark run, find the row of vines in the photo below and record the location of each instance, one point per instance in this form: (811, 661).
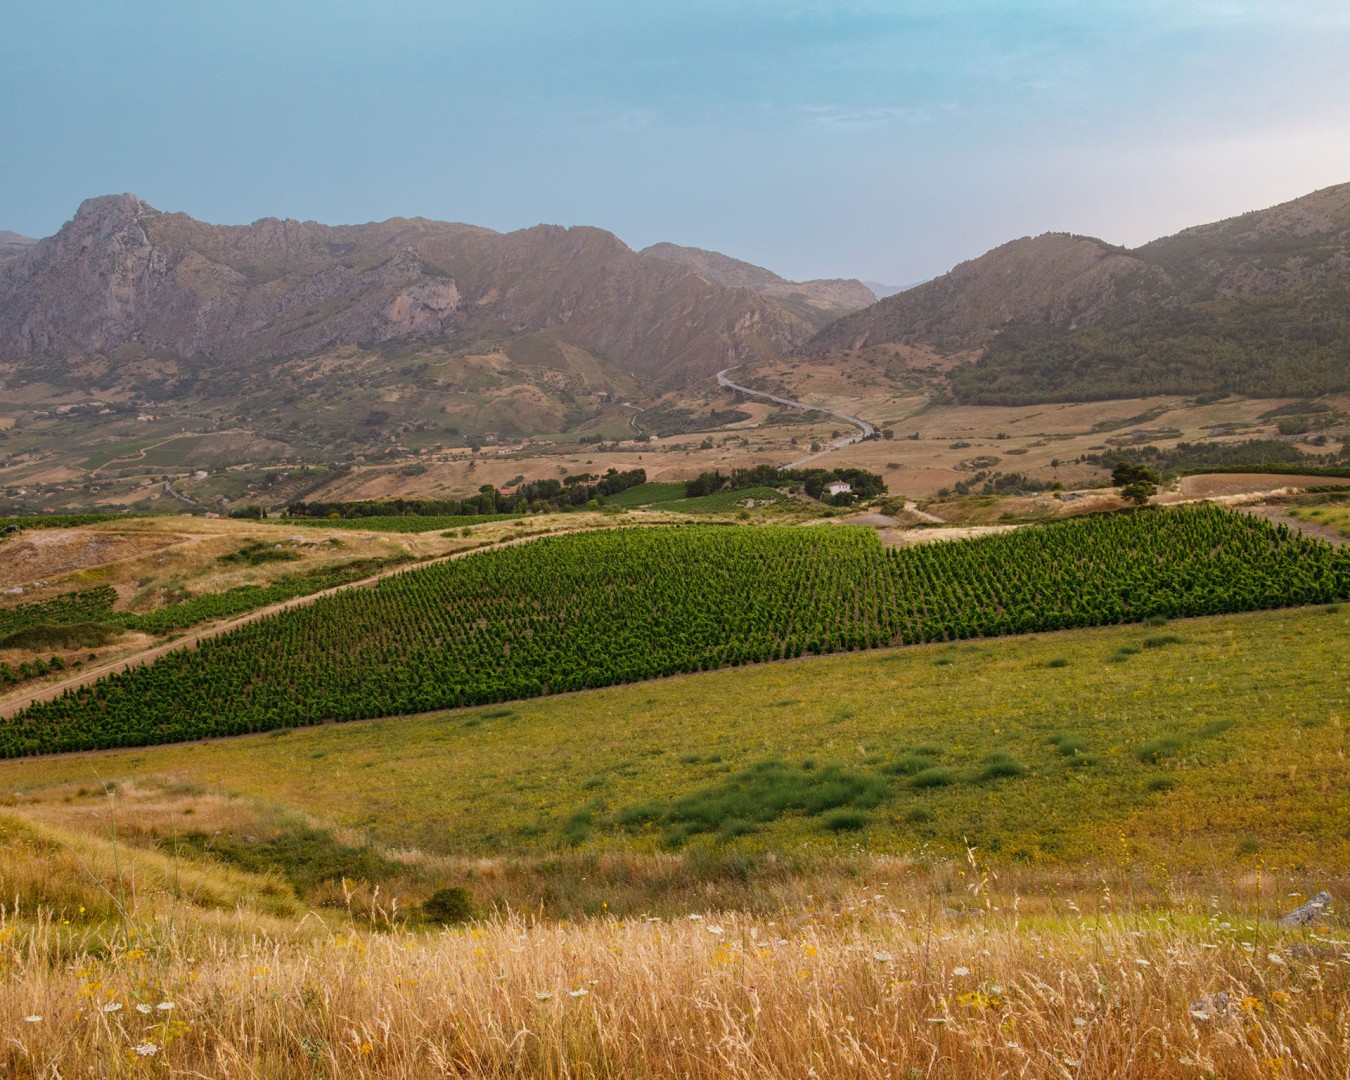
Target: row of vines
(574, 612)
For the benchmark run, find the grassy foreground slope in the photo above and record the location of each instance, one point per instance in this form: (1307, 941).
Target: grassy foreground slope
(1206, 743)
(586, 611)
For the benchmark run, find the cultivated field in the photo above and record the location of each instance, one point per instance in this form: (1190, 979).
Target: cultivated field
(577, 612)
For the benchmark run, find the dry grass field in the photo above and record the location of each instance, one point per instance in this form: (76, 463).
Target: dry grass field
(870, 987)
(1027, 439)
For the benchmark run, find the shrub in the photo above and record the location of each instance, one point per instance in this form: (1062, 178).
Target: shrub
(846, 821)
(1001, 766)
(757, 795)
(908, 765)
(448, 905)
(1068, 745)
(934, 777)
(1160, 783)
(1155, 750)
(1057, 662)
(1160, 641)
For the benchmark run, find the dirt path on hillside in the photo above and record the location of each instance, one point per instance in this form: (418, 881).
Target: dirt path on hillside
(145, 656)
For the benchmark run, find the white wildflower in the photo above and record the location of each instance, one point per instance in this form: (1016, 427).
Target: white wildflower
(147, 1049)
(112, 1007)
(1142, 962)
(579, 992)
(960, 971)
(164, 1006)
(1078, 1021)
(716, 930)
(882, 957)
(1275, 958)
(543, 995)
(33, 1019)
(143, 1009)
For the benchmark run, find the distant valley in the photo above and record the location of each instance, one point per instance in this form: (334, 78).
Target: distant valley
(421, 357)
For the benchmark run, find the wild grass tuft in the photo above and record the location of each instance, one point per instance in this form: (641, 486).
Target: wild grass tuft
(1001, 766)
(1155, 750)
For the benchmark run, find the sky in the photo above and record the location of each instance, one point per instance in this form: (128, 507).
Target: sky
(880, 139)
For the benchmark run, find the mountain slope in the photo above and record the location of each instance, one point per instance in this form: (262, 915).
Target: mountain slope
(122, 273)
(819, 302)
(1254, 304)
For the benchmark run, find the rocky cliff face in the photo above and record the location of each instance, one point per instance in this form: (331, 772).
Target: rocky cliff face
(122, 272)
(819, 301)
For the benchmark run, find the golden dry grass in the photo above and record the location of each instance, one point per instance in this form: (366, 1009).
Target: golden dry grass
(868, 989)
(119, 961)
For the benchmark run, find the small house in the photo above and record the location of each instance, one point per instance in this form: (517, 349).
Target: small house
(839, 487)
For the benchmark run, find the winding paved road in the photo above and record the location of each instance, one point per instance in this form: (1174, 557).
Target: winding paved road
(865, 430)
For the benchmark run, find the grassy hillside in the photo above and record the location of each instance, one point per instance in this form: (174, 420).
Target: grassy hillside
(1115, 916)
(1203, 742)
(1287, 344)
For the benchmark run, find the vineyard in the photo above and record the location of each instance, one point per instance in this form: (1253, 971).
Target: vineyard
(96, 605)
(575, 612)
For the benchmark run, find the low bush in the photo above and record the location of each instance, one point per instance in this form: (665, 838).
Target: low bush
(448, 906)
(934, 777)
(1001, 766)
(1155, 750)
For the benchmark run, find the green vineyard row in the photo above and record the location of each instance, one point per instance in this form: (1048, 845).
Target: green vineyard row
(575, 612)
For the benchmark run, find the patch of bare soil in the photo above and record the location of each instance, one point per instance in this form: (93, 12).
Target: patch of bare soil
(40, 554)
(928, 536)
(1307, 528)
(1209, 485)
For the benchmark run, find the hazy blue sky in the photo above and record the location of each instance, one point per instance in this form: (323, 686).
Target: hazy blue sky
(884, 140)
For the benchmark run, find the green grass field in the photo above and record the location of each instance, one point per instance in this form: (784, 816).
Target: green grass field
(1209, 742)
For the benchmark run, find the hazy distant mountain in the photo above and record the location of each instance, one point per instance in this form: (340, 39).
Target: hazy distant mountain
(11, 243)
(818, 302)
(1255, 304)
(882, 291)
(123, 274)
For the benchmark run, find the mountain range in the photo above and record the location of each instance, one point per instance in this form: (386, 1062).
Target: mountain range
(341, 335)
(1256, 304)
(123, 275)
